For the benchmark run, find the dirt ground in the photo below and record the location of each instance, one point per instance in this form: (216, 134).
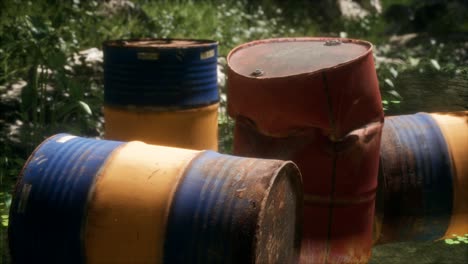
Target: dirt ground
(420, 253)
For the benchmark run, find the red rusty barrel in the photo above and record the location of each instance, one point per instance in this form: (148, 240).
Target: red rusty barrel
(315, 101)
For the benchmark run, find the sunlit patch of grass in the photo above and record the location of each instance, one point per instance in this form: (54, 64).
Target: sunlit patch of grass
(457, 239)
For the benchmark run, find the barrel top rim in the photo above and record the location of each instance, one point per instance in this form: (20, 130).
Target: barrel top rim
(369, 49)
(159, 43)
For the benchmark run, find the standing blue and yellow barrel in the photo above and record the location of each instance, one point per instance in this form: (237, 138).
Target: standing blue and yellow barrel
(81, 200)
(162, 91)
(423, 178)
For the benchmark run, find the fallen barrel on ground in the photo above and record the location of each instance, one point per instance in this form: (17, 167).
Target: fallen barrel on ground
(162, 91)
(82, 200)
(423, 178)
(315, 101)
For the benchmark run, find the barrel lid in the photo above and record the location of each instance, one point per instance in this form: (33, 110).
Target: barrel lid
(159, 43)
(282, 57)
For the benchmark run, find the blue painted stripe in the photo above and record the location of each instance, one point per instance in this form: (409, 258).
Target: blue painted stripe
(46, 225)
(425, 191)
(438, 180)
(191, 79)
(206, 215)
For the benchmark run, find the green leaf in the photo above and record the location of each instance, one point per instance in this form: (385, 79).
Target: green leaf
(64, 110)
(395, 93)
(414, 61)
(393, 72)
(389, 82)
(449, 241)
(85, 107)
(435, 64)
(56, 60)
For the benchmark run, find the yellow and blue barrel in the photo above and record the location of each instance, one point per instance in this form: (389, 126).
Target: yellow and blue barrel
(162, 91)
(423, 178)
(82, 200)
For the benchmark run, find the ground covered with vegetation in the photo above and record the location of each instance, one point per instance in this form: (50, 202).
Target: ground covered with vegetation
(51, 66)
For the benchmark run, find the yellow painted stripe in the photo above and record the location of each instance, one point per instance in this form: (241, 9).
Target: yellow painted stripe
(195, 128)
(454, 127)
(130, 202)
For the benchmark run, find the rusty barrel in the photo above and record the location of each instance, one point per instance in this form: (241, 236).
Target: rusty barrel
(423, 178)
(81, 200)
(162, 91)
(315, 101)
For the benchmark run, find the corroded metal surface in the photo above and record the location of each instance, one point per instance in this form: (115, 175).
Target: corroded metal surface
(335, 98)
(281, 217)
(226, 210)
(96, 201)
(317, 103)
(423, 178)
(417, 180)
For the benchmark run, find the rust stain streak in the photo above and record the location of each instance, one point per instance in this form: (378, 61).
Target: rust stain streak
(315, 199)
(335, 157)
(330, 107)
(153, 173)
(332, 203)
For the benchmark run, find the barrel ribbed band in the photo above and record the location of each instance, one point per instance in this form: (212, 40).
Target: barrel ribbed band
(170, 73)
(417, 178)
(50, 200)
(219, 213)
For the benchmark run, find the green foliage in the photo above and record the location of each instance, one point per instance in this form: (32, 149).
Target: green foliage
(231, 23)
(457, 240)
(5, 201)
(437, 17)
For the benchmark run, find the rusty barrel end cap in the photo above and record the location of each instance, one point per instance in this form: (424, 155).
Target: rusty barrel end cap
(278, 238)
